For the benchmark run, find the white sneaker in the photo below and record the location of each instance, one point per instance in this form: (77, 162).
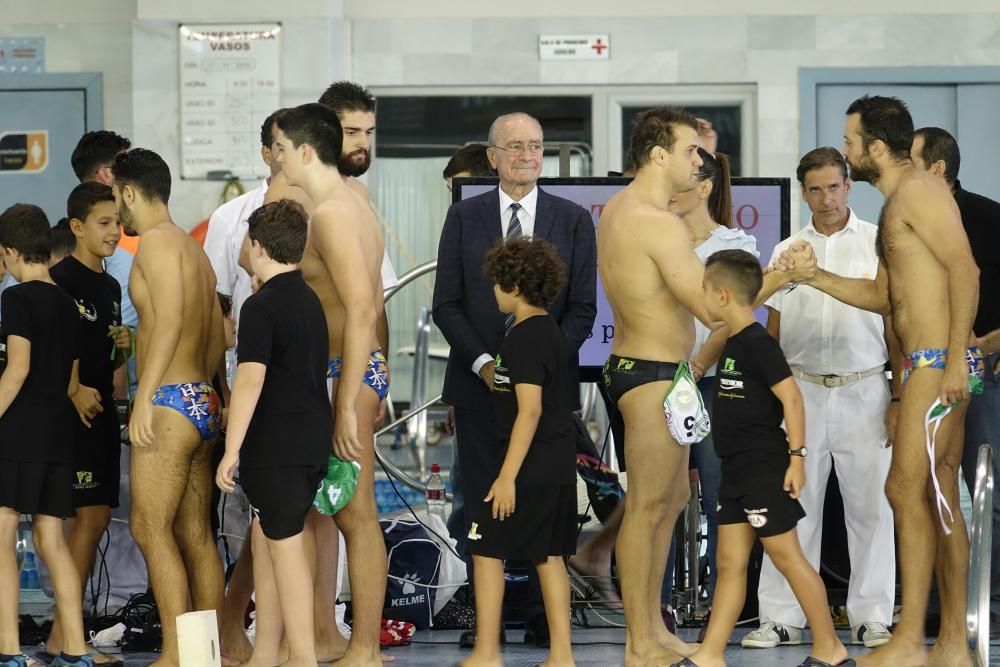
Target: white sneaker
(772, 634)
(871, 634)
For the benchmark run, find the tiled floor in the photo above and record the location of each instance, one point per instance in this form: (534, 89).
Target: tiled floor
(601, 647)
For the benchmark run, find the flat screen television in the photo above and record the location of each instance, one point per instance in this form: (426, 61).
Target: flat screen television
(761, 207)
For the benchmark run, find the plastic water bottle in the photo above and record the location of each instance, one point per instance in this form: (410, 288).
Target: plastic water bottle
(231, 366)
(29, 573)
(30, 585)
(435, 494)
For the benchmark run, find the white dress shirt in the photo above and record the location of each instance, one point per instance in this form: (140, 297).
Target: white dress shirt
(227, 227)
(820, 335)
(525, 216)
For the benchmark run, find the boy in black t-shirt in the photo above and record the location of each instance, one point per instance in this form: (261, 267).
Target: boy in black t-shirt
(530, 510)
(279, 429)
(762, 470)
(103, 344)
(36, 420)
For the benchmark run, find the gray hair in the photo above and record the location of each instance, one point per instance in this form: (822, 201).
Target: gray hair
(505, 117)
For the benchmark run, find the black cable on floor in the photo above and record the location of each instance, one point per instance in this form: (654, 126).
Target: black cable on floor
(392, 482)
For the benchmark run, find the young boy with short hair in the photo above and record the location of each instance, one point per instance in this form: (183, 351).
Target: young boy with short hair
(530, 510)
(40, 324)
(763, 471)
(103, 345)
(279, 429)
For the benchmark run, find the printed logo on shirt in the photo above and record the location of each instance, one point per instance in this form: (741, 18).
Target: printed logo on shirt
(116, 308)
(87, 310)
(730, 388)
(729, 366)
(501, 379)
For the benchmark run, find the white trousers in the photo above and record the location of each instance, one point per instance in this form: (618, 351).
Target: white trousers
(845, 429)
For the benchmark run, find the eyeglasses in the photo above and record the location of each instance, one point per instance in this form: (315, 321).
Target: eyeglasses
(516, 147)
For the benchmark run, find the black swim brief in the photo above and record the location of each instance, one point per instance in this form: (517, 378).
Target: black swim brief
(622, 374)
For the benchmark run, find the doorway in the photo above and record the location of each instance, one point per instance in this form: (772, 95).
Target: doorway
(961, 100)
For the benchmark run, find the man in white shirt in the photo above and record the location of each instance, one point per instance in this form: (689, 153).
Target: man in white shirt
(838, 355)
(227, 227)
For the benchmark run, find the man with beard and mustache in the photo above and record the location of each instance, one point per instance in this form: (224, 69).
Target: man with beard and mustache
(355, 109)
(176, 416)
(928, 281)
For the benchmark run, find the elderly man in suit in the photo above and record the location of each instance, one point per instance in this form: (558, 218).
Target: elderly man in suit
(465, 309)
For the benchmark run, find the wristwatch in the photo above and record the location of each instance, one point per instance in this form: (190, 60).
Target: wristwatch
(800, 452)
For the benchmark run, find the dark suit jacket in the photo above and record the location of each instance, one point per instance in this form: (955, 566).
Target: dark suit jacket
(981, 218)
(465, 309)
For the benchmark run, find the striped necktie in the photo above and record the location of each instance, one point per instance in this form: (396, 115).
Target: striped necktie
(514, 228)
(513, 232)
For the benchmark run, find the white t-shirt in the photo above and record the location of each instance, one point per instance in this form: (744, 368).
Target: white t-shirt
(820, 335)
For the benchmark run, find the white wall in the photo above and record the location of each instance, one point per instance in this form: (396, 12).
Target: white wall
(766, 50)
(92, 36)
(397, 43)
(355, 9)
(314, 51)
(134, 44)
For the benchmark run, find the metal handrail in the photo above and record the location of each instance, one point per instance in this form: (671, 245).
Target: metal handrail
(977, 615)
(419, 434)
(393, 469)
(403, 281)
(417, 427)
(409, 277)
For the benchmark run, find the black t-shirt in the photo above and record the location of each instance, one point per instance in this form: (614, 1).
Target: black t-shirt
(283, 327)
(981, 219)
(534, 352)
(38, 425)
(98, 299)
(746, 415)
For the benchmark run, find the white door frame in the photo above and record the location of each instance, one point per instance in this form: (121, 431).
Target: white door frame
(743, 96)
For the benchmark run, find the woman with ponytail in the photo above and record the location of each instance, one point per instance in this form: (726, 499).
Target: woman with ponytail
(707, 210)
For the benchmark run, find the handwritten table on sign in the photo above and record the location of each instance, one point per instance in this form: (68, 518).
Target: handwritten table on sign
(229, 83)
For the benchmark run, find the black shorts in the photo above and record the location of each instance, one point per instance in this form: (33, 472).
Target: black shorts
(97, 478)
(280, 498)
(544, 523)
(751, 491)
(37, 488)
